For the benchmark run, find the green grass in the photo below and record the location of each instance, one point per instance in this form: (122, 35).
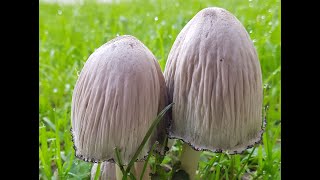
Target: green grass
(70, 33)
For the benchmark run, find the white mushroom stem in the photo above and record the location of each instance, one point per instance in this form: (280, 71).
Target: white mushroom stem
(189, 160)
(171, 142)
(118, 173)
(136, 171)
(107, 171)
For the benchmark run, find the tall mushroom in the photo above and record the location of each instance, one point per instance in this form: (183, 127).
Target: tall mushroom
(119, 92)
(214, 78)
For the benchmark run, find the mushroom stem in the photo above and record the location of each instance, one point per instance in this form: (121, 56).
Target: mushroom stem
(171, 142)
(189, 160)
(118, 173)
(136, 171)
(107, 171)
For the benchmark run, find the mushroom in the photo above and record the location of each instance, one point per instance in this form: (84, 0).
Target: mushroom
(119, 92)
(213, 76)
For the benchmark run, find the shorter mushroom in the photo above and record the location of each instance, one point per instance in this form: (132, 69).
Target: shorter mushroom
(118, 94)
(213, 76)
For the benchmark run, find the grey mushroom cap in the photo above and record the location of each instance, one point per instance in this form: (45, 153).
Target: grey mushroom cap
(213, 76)
(119, 92)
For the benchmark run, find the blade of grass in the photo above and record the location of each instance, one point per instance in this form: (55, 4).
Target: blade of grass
(147, 160)
(242, 168)
(146, 137)
(97, 175)
(58, 150)
(212, 161)
(272, 75)
(43, 141)
(226, 173)
(237, 162)
(164, 147)
(69, 163)
(209, 165)
(46, 168)
(212, 175)
(217, 172)
(49, 123)
(158, 159)
(44, 153)
(232, 164)
(221, 155)
(131, 176)
(120, 161)
(260, 159)
(267, 150)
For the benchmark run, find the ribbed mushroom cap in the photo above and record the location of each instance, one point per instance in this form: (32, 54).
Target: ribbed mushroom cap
(119, 92)
(214, 78)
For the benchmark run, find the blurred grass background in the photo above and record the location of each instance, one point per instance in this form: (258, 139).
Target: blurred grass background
(69, 33)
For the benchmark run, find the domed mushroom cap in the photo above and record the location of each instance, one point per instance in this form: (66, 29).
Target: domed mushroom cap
(214, 78)
(119, 92)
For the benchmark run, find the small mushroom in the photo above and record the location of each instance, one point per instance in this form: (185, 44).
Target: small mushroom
(119, 92)
(213, 76)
